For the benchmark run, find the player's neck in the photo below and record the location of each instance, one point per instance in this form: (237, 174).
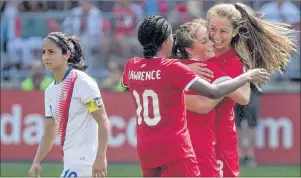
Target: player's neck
(219, 52)
(59, 74)
(198, 58)
(161, 54)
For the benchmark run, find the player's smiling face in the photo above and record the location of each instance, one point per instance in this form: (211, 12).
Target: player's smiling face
(221, 32)
(52, 56)
(202, 48)
(203, 45)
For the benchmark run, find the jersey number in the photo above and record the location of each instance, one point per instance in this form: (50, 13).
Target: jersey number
(145, 105)
(70, 174)
(221, 166)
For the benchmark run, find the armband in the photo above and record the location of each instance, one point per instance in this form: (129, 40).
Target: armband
(95, 104)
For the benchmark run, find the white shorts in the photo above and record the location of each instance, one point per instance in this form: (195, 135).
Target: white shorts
(77, 170)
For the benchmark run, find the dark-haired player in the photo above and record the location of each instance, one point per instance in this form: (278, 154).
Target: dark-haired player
(74, 110)
(157, 86)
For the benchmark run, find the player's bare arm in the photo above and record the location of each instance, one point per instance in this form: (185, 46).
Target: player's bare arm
(215, 91)
(47, 141)
(200, 104)
(99, 114)
(241, 95)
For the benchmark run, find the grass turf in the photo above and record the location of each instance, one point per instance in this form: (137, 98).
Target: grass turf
(20, 169)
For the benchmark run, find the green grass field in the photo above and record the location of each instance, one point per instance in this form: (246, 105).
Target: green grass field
(17, 169)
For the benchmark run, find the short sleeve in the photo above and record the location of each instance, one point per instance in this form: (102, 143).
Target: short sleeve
(219, 75)
(124, 79)
(48, 112)
(180, 76)
(87, 89)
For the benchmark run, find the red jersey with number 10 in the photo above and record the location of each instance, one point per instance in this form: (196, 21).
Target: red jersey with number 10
(201, 126)
(157, 86)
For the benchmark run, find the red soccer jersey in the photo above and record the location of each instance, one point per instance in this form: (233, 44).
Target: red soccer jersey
(201, 126)
(157, 86)
(226, 134)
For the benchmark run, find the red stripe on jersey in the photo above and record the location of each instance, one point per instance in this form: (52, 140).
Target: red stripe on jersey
(62, 111)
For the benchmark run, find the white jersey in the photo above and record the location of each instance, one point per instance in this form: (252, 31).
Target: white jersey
(66, 102)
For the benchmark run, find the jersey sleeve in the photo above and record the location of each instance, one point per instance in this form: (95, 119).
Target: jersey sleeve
(219, 75)
(124, 79)
(89, 93)
(48, 112)
(180, 76)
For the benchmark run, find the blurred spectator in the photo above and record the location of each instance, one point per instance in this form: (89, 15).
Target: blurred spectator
(124, 35)
(33, 6)
(38, 80)
(196, 8)
(287, 12)
(55, 5)
(21, 47)
(113, 82)
(10, 31)
(182, 14)
(136, 7)
(22, 51)
(86, 22)
(106, 34)
(166, 6)
(9, 25)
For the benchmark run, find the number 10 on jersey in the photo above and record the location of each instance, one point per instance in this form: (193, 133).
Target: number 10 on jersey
(143, 103)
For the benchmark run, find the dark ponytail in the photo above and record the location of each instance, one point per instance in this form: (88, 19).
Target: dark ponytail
(175, 50)
(152, 32)
(71, 44)
(76, 59)
(150, 50)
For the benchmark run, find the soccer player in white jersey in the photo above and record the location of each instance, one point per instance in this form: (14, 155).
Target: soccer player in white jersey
(74, 110)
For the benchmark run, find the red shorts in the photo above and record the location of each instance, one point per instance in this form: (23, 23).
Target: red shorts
(187, 167)
(228, 162)
(208, 165)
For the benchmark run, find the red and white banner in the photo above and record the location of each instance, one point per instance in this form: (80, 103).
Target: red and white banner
(22, 116)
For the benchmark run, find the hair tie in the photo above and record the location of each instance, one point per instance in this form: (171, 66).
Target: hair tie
(236, 6)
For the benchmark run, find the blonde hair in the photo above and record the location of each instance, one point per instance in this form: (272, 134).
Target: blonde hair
(185, 36)
(259, 43)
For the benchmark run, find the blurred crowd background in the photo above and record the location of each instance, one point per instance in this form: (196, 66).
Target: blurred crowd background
(107, 30)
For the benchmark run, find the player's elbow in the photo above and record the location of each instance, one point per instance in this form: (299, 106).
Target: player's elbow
(204, 110)
(215, 93)
(244, 101)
